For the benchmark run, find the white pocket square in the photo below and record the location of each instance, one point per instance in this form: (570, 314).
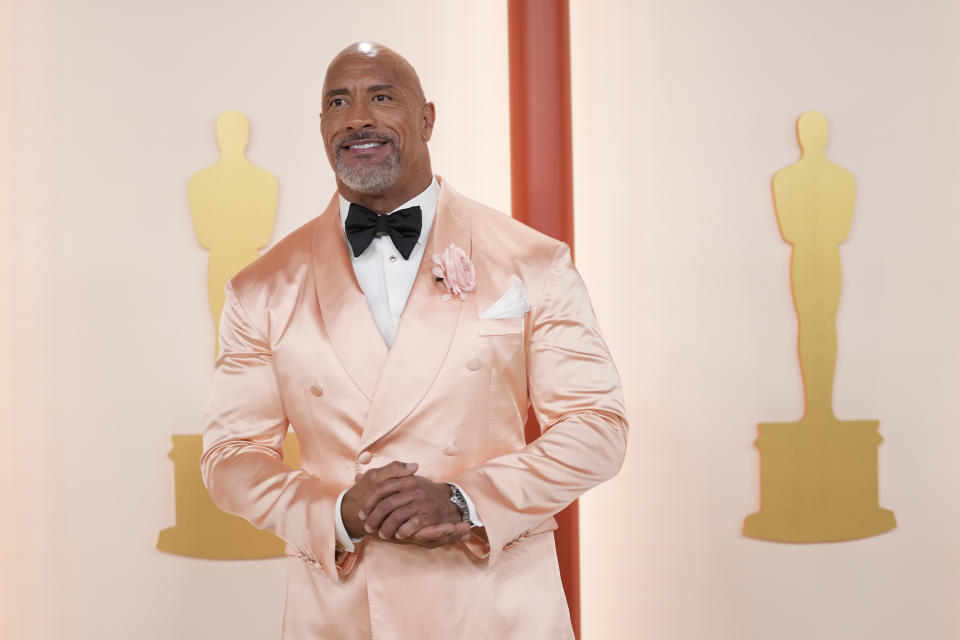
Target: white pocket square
(512, 304)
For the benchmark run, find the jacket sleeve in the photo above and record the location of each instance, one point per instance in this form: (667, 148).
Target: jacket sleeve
(243, 438)
(575, 392)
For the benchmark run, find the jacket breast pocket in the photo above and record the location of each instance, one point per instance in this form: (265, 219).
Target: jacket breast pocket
(500, 326)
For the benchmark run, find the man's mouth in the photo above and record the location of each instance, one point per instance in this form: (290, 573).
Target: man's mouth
(363, 145)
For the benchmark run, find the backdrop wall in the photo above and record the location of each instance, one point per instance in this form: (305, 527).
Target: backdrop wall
(682, 112)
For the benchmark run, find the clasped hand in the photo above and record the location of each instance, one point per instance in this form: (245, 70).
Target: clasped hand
(395, 504)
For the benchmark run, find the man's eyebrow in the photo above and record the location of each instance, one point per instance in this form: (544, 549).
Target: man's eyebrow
(342, 91)
(335, 92)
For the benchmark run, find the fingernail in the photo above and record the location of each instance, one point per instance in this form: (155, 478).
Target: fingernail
(464, 537)
(368, 528)
(361, 515)
(411, 465)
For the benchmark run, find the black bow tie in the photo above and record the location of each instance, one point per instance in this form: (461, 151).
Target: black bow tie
(402, 226)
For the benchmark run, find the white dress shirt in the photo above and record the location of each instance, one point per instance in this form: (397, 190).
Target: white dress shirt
(386, 280)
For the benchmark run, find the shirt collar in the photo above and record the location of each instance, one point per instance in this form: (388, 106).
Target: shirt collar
(426, 200)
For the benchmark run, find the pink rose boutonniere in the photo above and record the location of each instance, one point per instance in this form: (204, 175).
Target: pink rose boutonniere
(454, 269)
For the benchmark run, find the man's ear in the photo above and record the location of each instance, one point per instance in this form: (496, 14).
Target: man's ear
(429, 115)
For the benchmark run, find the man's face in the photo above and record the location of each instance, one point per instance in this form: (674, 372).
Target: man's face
(376, 124)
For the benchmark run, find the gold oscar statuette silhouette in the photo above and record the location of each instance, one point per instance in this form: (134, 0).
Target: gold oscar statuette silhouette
(819, 479)
(234, 205)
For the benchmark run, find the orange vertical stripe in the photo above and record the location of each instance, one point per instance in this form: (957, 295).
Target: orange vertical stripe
(541, 173)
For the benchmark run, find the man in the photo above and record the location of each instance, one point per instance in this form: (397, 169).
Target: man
(405, 356)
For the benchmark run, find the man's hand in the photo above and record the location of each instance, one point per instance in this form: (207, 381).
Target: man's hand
(410, 508)
(366, 485)
(402, 507)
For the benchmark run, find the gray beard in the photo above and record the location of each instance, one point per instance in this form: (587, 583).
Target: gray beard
(371, 179)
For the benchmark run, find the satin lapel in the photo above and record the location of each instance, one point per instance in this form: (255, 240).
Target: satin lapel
(426, 329)
(346, 316)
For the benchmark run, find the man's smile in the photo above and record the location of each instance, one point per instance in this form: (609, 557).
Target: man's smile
(366, 148)
(364, 145)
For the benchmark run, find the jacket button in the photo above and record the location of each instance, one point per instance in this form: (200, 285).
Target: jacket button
(474, 364)
(364, 457)
(315, 390)
(452, 450)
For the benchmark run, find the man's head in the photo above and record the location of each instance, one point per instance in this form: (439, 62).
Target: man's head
(376, 124)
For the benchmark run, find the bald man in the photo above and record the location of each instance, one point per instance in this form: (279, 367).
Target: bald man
(404, 334)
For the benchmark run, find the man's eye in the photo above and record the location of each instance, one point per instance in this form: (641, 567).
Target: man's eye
(337, 102)
(381, 98)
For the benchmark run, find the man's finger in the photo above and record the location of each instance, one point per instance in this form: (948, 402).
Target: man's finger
(385, 507)
(433, 532)
(440, 534)
(409, 528)
(388, 528)
(395, 469)
(387, 489)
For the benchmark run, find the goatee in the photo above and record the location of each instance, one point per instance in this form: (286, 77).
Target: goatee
(369, 178)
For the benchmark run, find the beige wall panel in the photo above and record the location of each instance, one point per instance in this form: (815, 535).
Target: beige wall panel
(682, 113)
(14, 507)
(109, 350)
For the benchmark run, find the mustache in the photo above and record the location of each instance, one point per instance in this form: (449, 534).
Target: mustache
(366, 136)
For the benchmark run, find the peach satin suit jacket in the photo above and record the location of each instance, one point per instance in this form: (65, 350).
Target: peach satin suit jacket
(299, 347)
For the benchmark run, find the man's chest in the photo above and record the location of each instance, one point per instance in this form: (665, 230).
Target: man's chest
(465, 405)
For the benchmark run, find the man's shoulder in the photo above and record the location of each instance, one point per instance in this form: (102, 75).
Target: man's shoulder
(496, 231)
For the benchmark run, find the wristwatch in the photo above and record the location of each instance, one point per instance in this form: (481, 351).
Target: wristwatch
(456, 497)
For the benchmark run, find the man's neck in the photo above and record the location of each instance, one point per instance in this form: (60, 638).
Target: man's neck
(387, 201)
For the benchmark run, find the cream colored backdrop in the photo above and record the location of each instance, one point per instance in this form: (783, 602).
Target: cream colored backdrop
(107, 344)
(683, 110)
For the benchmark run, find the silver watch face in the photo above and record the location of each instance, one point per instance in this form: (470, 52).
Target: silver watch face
(457, 499)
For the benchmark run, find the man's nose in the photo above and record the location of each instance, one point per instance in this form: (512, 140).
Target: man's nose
(360, 116)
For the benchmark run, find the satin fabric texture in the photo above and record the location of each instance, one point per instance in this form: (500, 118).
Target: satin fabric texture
(299, 347)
